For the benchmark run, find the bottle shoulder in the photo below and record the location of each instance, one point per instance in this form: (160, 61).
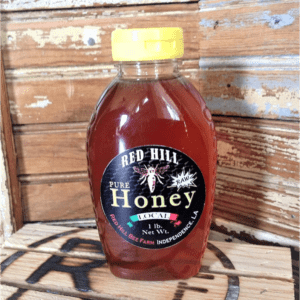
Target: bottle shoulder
(165, 112)
(164, 98)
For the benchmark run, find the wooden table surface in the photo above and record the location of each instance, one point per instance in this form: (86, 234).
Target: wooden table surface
(56, 262)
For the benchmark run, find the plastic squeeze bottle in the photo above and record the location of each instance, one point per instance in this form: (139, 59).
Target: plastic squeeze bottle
(151, 149)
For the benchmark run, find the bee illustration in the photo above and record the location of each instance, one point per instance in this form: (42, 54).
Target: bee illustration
(150, 174)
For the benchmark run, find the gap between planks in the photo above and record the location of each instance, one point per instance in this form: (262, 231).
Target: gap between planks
(103, 70)
(19, 6)
(64, 6)
(262, 91)
(108, 70)
(53, 178)
(230, 121)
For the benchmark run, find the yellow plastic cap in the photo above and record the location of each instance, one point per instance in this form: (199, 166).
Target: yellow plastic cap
(147, 43)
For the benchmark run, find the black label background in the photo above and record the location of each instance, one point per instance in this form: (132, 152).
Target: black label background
(116, 173)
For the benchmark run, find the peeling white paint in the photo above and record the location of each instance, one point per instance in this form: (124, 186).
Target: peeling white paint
(282, 200)
(270, 195)
(255, 102)
(97, 52)
(8, 38)
(14, 108)
(85, 37)
(38, 4)
(234, 153)
(40, 103)
(70, 89)
(276, 21)
(207, 23)
(254, 95)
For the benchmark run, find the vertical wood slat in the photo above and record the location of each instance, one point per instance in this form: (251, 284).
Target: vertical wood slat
(10, 156)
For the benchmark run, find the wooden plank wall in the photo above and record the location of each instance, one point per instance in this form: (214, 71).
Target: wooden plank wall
(241, 55)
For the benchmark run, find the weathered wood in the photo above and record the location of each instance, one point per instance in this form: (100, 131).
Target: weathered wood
(295, 267)
(257, 201)
(60, 201)
(241, 197)
(212, 5)
(245, 264)
(84, 36)
(64, 39)
(54, 238)
(260, 146)
(23, 5)
(1, 234)
(5, 253)
(271, 192)
(63, 101)
(81, 223)
(263, 289)
(53, 178)
(10, 157)
(258, 183)
(224, 230)
(205, 287)
(73, 92)
(105, 286)
(8, 292)
(250, 63)
(92, 13)
(269, 94)
(257, 179)
(258, 30)
(51, 152)
(17, 5)
(253, 273)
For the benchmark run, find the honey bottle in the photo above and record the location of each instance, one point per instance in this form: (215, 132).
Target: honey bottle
(151, 149)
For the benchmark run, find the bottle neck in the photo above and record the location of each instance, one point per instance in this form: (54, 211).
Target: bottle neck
(148, 70)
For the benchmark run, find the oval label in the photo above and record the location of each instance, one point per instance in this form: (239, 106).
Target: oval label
(153, 196)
